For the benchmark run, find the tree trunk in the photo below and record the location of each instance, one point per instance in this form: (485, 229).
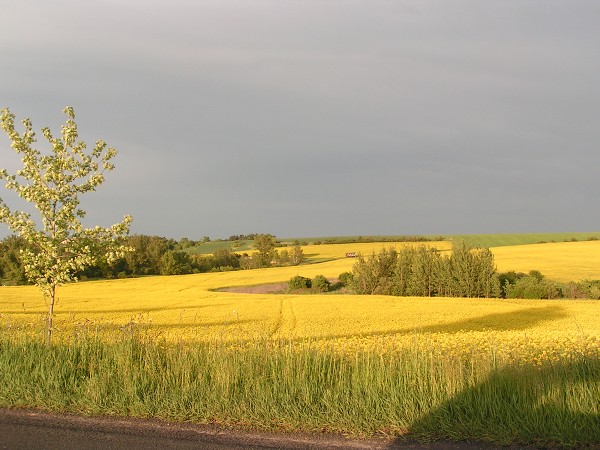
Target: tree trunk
(50, 313)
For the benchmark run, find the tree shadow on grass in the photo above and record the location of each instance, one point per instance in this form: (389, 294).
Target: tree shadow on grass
(553, 407)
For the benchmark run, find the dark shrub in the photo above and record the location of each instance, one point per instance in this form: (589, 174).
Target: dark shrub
(320, 283)
(346, 278)
(508, 279)
(536, 274)
(298, 282)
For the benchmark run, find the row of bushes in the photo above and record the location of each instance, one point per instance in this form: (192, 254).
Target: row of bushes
(318, 284)
(535, 286)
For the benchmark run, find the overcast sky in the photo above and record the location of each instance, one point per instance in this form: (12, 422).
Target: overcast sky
(320, 117)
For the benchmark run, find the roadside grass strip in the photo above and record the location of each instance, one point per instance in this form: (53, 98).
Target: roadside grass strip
(278, 385)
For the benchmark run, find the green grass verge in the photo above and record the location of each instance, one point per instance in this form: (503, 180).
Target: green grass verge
(484, 240)
(278, 386)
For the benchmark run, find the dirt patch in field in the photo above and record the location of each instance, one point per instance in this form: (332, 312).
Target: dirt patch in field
(282, 288)
(270, 288)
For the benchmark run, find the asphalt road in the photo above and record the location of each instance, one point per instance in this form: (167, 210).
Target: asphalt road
(34, 430)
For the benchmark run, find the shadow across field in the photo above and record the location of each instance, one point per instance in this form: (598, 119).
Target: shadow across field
(556, 406)
(223, 323)
(180, 325)
(510, 321)
(99, 311)
(521, 320)
(140, 310)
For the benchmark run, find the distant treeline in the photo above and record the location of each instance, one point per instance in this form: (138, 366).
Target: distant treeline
(155, 255)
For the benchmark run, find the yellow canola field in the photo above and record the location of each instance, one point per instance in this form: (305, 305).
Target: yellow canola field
(334, 251)
(560, 261)
(186, 308)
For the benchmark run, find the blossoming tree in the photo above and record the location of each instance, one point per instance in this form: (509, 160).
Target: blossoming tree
(59, 245)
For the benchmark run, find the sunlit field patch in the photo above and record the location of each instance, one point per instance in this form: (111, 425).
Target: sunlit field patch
(336, 251)
(561, 261)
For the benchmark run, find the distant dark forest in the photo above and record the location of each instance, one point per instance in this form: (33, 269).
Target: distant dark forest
(155, 255)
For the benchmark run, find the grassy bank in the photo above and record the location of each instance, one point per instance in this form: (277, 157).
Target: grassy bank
(280, 385)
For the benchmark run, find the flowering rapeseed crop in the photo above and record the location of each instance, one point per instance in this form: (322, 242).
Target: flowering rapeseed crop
(186, 308)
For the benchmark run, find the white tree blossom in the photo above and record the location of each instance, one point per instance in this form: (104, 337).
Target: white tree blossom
(59, 245)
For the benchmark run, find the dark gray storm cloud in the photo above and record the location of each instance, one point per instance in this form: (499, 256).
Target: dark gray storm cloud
(312, 118)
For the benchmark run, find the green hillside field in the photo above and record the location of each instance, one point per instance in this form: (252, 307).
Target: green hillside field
(484, 240)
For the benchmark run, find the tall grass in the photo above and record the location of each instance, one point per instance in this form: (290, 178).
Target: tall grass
(280, 385)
